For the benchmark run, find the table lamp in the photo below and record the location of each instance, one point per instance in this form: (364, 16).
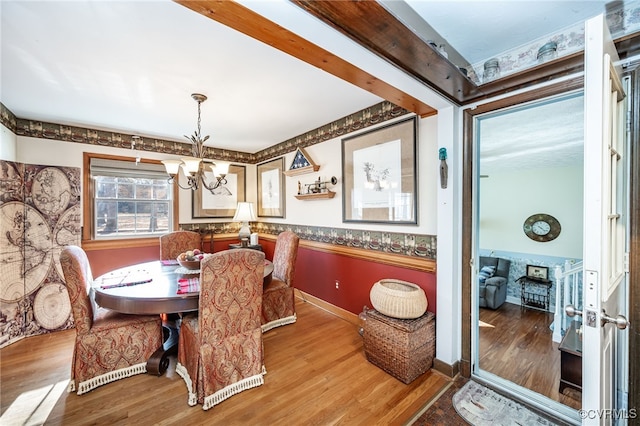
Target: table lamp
(244, 213)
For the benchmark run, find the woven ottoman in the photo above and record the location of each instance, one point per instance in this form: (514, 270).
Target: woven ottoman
(404, 348)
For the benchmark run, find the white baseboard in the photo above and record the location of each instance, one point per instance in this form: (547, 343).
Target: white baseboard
(513, 300)
(516, 301)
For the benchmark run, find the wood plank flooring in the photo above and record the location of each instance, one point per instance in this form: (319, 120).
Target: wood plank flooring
(516, 344)
(317, 374)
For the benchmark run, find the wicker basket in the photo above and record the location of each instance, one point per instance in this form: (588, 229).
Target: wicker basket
(403, 348)
(398, 299)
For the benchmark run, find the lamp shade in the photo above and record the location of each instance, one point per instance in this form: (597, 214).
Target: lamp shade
(221, 168)
(191, 164)
(244, 212)
(172, 166)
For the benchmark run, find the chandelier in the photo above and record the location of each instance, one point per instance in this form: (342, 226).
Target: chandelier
(197, 166)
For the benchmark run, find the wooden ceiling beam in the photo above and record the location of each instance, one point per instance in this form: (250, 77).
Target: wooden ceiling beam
(246, 21)
(374, 27)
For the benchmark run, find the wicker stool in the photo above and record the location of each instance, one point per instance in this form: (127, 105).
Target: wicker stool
(404, 348)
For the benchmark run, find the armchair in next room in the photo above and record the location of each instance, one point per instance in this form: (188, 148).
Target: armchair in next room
(492, 281)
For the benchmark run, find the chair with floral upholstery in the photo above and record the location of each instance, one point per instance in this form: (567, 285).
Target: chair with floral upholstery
(174, 243)
(109, 345)
(278, 298)
(220, 349)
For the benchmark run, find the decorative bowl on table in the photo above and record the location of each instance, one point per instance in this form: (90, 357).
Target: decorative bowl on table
(190, 259)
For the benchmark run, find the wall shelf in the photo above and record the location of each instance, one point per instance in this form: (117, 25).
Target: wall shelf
(316, 190)
(316, 196)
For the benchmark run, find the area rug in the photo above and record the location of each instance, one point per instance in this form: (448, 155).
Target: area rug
(439, 411)
(482, 406)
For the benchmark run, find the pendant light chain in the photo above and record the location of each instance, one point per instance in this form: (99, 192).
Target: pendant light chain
(199, 132)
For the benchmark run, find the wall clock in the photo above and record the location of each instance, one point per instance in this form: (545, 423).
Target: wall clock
(541, 227)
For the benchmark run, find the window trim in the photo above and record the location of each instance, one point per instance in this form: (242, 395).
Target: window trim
(87, 207)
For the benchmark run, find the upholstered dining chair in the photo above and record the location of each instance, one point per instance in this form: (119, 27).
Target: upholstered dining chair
(174, 243)
(220, 349)
(109, 345)
(278, 299)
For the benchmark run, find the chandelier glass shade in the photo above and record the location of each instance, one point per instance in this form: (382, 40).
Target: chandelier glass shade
(197, 168)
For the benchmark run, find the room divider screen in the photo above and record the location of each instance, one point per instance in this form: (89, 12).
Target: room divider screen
(39, 215)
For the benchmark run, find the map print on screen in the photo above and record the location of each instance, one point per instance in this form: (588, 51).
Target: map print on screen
(39, 215)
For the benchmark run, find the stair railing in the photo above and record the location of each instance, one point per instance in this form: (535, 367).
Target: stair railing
(568, 292)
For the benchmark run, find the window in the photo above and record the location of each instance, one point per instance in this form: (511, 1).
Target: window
(129, 199)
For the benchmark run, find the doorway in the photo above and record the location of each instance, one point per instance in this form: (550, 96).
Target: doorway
(513, 176)
(469, 252)
(529, 180)
(472, 250)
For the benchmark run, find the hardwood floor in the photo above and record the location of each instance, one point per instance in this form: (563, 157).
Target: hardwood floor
(516, 344)
(317, 374)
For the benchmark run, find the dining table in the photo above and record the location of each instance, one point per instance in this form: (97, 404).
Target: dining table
(150, 288)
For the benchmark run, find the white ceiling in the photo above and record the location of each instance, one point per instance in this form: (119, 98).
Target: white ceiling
(546, 134)
(480, 30)
(131, 66)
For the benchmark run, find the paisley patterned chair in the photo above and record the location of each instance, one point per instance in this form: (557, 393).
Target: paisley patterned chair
(109, 345)
(278, 299)
(220, 349)
(174, 243)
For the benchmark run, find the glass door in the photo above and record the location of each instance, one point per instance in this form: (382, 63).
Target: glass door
(528, 226)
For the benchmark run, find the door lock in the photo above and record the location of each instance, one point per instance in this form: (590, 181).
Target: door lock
(589, 318)
(620, 321)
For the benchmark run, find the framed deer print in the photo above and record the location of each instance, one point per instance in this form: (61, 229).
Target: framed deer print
(379, 175)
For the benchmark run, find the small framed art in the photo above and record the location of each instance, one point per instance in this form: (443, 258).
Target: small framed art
(539, 272)
(271, 188)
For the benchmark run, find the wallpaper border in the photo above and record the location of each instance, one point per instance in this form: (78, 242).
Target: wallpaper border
(407, 244)
(362, 119)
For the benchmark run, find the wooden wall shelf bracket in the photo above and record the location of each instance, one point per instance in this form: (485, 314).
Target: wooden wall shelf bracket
(318, 196)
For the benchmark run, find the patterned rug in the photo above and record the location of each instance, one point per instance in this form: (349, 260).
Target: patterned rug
(481, 406)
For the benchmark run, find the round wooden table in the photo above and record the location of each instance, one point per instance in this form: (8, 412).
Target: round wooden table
(148, 289)
(158, 296)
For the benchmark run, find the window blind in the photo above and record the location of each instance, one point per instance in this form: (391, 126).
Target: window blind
(119, 168)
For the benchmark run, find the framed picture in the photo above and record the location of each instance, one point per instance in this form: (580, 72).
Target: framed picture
(379, 175)
(540, 272)
(222, 202)
(271, 192)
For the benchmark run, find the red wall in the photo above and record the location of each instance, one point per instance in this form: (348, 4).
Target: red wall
(316, 273)
(105, 260)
